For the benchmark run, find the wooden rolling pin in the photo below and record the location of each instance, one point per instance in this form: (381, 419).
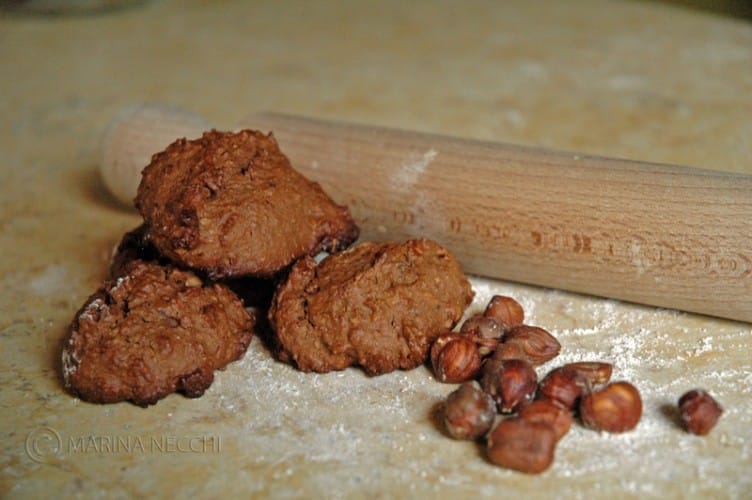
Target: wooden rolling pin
(663, 235)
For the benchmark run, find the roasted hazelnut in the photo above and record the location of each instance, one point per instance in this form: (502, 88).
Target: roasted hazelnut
(522, 445)
(594, 372)
(511, 383)
(469, 412)
(615, 408)
(485, 332)
(458, 360)
(546, 412)
(439, 344)
(505, 309)
(481, 326)
(562, 387)
(509, 350)
(531, 343)
(699, 411)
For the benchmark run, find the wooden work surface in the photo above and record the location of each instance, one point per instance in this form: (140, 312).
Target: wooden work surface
(628, 79)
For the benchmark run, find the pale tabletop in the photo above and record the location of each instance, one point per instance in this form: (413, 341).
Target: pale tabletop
(636, 80)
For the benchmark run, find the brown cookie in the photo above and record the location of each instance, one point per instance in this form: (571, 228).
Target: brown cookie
(153, 331)
(230, 204)
(377, 305)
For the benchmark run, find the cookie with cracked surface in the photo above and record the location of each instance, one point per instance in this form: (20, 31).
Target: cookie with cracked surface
(153, 331)
(376, 305)
(230, 204)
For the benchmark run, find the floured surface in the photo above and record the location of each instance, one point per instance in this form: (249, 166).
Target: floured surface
(636, 79)
(282, 432)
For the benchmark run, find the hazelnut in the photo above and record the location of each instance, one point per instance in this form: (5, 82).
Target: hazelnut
(506, 310)
(615, 408)
(481, 326)
(522, 445)
(594, 372)
(562, 387)
(439, 344)
(457, 360)
(531, 343)
(511, 350)
(546, 412)
(485, 332)
(511, 383)
(699, 411)
(469, 412)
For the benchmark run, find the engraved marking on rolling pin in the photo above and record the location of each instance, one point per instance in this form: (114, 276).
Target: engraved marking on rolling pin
(747, 265)
(403, 217)
(642, 252)
(663, 256)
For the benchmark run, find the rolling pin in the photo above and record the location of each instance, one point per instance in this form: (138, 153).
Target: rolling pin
(663, 235)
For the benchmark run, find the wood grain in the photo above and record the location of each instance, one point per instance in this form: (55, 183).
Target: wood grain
(656, 234)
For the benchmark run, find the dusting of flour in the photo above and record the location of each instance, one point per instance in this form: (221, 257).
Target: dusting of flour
(664, 353)
(348, 433)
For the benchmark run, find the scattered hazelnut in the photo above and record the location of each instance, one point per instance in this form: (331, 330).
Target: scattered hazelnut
(615, 408)
(511, 383)
(509, 350)
(485, 332)
(546, 412)
(505, 309)
(699, 411)
(526, 442)
(481, 326)
(562, 387)
(522, 445)
(594, 372)
(439, 344)
(469, 412)
(531, 343)
(457, 361)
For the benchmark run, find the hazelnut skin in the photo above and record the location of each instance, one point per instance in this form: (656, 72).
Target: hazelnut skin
(511, 383)
(531, 343)
(562, 387)
(616, 407)
(439, 344)
(522, 445)
(485, 332)
(484, 327)
(698, 411)
(595, 372)
(469, 412)
(510, 350)
(457, 361)
(546, 412)
(505, 309)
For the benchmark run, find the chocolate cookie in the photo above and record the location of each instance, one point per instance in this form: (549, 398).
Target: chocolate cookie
(377, 305)
(153, 331)
(230, 204)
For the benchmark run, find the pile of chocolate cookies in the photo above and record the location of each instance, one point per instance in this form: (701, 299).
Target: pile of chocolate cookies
(230, 227)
